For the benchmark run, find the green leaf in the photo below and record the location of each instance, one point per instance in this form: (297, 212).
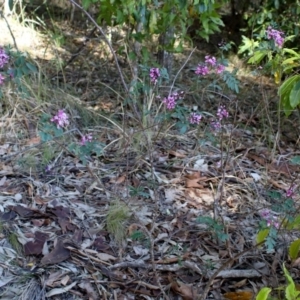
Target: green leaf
(287, 85)
(153, 21)
(295, 95)
(262, 235)
(291, 51)
(290, 292)
(295, 160)
(31, 67)
(247, 45)
(257, 57)
(294, 249)
(263, 294)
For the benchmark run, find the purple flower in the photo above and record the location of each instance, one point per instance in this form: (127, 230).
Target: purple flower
(2, 78)
(290, 192)
(220, 68)
(86, 139)
(154, 75)
(195, 118)
(202, 70)
(48, 168)
(275, 35)
(215, 125)
(61, 119)
(265, 213)
(269, 217)
(210, 60)
(170, 101)
(3, 57)
(222, 112)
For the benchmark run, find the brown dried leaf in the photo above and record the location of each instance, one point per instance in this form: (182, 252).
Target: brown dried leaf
(22, 211)
(86, 285)
(193, 183)
(187, 292)
(244, 295)
(179, 153)
(35, 247)
(57, 255)
(54, 278)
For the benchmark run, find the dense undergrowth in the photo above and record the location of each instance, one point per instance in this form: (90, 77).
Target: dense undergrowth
(156, 139)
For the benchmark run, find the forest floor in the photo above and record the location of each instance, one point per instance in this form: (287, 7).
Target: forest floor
(159, 214)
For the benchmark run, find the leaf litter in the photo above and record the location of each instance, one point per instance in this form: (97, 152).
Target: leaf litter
(158, 246)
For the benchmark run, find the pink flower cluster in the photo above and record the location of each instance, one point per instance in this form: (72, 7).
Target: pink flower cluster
(60, 119)
(269, 217)
(275, 35)
(154, 75)
(290, 192)
(171, 100)
(210, 65)
(86, 139)
(4, 58)
(222, 112)
(195, 118)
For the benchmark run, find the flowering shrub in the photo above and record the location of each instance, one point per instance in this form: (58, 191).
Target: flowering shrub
(13, 66)
(172, 102)
(53, 128)
(279, 61)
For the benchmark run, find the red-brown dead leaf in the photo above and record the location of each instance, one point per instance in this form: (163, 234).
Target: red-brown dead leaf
(25, 212)
(187, 292)
(193, 183)
(179, 153)
(100, 244)
(118, 180)
(243, 295)
(77, 236)
(8, 216)
(261, 160)
(35, 247)
(194, 175)
(63, 214)
(58, 254)
(33, 141)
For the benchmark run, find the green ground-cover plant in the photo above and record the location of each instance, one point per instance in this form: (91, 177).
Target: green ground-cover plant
(268, 52)
(14, 67)
(283, 215)
(53, 128)
(290, 290)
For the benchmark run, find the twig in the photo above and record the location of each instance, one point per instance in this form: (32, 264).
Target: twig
(106, 41)
(8, 26)
(184, 64)
(152, 258)
(221, 268)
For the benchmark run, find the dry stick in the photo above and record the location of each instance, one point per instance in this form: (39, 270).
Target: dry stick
(106, 41)
(177, 74)
(8, 26)
(144, 228)
(215, 274)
